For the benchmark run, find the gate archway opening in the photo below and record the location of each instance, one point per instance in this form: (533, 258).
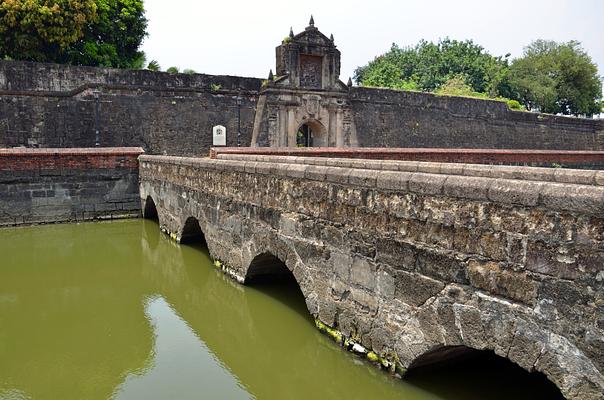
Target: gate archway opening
(192, 233)
(447, 368)
(311, 134)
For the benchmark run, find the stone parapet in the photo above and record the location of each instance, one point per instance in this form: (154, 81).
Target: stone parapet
(560, 175)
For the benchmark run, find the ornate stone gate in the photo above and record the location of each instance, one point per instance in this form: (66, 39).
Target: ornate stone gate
(306, 90)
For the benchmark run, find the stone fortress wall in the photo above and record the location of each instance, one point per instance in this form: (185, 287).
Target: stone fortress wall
(392, 118)
(49, 105)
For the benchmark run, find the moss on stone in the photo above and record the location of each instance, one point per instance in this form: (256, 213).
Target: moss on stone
(333, 333)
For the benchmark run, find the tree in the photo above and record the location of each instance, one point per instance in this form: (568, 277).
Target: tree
(114, 39)
(38, 30)
(172, 70)
(557, 78)
(153, 66)
(189, 71)
(82, 32)
(427, 66)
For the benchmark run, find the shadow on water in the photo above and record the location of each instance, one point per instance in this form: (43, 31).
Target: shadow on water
(286, 292)
(270, 276)
(482, 375)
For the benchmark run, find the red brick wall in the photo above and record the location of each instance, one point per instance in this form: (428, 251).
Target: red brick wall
(570, 158)
(22, 159)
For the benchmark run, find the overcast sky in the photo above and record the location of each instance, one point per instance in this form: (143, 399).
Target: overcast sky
(239, 37)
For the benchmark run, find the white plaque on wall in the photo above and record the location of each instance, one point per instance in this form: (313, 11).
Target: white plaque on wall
(219, 135)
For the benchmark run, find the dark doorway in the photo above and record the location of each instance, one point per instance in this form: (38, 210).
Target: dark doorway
(304, 136)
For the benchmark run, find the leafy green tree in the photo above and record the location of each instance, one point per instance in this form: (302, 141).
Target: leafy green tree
(557, 78)
(114, 39)
(153, 66)
(38, 30)
(172, 70)
(83, 32)
(427, 66)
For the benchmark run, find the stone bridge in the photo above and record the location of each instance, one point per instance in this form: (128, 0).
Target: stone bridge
(411, 262)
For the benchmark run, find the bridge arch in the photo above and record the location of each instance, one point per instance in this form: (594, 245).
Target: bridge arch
(506, 336)
(266, 267)
(191, 232)
(150, 209)
(269, 258)
(462, 360)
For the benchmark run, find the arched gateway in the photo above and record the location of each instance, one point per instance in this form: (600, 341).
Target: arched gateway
(305, 96)
(311, 134)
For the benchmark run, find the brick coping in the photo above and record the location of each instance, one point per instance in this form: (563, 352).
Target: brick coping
(387, 150)
(75, 151)
(475, 156)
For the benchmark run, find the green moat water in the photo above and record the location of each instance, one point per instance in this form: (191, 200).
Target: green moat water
(118, 310)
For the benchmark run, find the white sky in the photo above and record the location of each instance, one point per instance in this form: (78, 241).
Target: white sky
(239, 37)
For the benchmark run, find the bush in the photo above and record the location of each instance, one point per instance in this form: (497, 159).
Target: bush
(172, 70)
(514, 105)
(153, 66)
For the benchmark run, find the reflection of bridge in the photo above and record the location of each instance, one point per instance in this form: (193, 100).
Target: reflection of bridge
(417, 266)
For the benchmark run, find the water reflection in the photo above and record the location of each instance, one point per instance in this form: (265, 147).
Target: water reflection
(102, 310)
(183, 367)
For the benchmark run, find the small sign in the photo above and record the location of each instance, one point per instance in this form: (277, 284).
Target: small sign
(219, 135)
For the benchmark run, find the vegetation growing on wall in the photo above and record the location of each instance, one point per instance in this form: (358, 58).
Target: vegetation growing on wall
(549, 77)
(104, 33)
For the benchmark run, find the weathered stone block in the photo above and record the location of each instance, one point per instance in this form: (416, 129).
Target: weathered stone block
(515, 192)
(427, 184)
(489, 276)
(363, 177)
(363, 273)
(415, 289)
(395, 254)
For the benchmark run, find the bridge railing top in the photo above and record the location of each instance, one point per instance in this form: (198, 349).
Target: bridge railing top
(556, 195)
(559, 175)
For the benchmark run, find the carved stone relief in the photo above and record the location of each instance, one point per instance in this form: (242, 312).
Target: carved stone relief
(310, 71)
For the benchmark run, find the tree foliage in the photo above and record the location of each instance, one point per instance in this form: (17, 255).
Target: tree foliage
(113, 40)
(39, 30)
(427, 66)
(549, 77)
(557, 78)
(83, 32)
